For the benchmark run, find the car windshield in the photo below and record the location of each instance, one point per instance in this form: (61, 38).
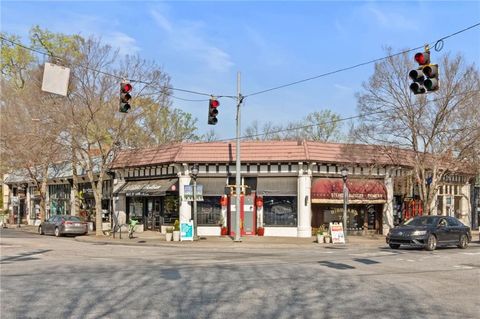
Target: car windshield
(72, 218)
(421, 221)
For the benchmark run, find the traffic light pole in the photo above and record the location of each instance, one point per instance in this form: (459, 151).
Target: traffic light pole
(238, 166)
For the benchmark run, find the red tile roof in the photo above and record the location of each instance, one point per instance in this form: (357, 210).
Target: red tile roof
(256, 152)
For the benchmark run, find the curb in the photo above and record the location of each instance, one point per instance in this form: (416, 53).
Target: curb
(223, 243)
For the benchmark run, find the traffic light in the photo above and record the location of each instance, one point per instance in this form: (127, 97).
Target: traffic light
(213, 111)
(418, 77)
(431, 73)
(425, 78)
(125, 89)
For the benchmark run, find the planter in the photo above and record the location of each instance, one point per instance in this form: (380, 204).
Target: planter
(176, 235)
(224, 231)
(168, 236)
(260, 231)
(328, 239)
(320, 239)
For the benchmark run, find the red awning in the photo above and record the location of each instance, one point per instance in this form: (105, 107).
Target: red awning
(330, 190)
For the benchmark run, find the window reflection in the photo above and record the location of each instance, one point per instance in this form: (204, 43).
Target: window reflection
(209, 211)
(280, 210)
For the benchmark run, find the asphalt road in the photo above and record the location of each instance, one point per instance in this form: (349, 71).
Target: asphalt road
(48, 277)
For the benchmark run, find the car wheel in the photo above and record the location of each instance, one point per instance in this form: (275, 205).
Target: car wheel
(394, 246)
(463, 243)
(431, 243)
(40, 230)
(57, 232)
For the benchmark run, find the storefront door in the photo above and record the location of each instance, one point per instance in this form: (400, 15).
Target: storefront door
(247, 215)
(153, 213)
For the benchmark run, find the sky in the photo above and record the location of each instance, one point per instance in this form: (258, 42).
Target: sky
(203, 45)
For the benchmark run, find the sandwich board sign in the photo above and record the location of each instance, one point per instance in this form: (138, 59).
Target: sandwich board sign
(186, 230)
(338, 237)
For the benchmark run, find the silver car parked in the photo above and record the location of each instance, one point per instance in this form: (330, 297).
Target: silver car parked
(59, 225)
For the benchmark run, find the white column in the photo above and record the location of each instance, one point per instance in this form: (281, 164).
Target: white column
(465, 207)
(304, 206)
(185, 211)
(73, 211)
(387, 218)
(444, 203)
(28, 205)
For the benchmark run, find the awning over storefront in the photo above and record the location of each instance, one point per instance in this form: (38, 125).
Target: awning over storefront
(277, 186)
(361, 191)
(212, 186)
(148, 188)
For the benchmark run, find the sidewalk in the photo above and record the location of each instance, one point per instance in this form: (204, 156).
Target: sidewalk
(152, 238)
(157, 239)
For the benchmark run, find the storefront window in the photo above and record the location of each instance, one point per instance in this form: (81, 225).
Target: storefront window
(170, 209)
(59, 199)
(209, 211)
(34, 209)
(135, 209)
(280, 210)
(359, 217)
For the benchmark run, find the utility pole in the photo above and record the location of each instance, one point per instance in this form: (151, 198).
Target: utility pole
(238, 165)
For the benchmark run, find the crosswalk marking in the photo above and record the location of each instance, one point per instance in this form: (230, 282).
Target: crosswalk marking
(374, 254)
(462, 267)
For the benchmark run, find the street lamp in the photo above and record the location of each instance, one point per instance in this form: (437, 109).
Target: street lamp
(344, 172)
(193, 175)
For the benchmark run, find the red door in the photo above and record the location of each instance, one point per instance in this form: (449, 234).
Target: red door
(247, 215)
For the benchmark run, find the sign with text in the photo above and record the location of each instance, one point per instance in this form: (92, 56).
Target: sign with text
(338, 237)
(188, 193)
(186, 231)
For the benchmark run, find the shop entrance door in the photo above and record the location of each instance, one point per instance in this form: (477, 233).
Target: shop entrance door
(247, 215)
(153, 214)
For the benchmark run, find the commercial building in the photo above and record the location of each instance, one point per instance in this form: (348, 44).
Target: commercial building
(289, 188)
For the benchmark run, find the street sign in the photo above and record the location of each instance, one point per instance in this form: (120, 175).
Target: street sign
(55, 79)
(188, 193)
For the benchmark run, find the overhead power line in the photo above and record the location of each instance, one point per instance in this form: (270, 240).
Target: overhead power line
(360, 64)
(335, 121)
(99, 71)
(434, 43)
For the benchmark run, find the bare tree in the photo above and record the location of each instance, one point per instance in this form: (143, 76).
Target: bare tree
(86, 125)
(428, 126)
(210, 136)
(322, 126)
(29, 134)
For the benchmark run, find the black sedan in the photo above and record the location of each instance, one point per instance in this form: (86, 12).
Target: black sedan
(59, 225)
(429, 232)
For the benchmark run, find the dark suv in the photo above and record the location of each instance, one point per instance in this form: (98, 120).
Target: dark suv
(429, 232)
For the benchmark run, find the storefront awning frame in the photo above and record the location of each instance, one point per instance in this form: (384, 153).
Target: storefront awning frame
(361, 191)
(139, 188)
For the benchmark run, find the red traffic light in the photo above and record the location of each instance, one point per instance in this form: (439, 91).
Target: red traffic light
(422, 58)
(214, 103)
(126, 87)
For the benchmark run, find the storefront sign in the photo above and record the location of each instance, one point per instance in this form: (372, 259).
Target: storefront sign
(325, 190)
(186, 231)
(338, 236)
